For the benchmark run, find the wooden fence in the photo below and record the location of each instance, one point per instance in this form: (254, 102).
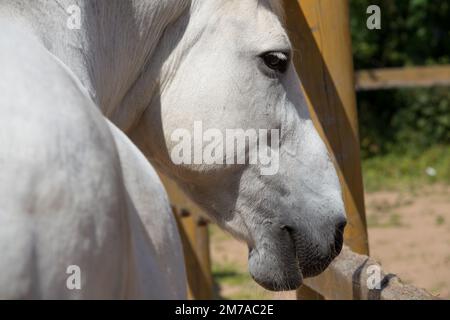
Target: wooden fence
(193, 227)
(346, 278)
(320, 33)
(352, 276)
(408, 77)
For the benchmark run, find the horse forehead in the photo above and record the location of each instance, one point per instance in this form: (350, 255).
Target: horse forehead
(277, 8)
(274, 6)
(251, 15)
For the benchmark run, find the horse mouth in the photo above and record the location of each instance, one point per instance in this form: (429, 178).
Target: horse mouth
(276, 281)
(276, 270)
(283, 266)
(310, 262)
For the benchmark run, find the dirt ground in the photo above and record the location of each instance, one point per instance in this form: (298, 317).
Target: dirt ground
(409, 234)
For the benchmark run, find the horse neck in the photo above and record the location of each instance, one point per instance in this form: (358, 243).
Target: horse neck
(109, 52)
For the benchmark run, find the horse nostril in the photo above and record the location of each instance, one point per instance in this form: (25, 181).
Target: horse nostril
(286, 228)
(338, 242)
(339, 236)
(340, 226)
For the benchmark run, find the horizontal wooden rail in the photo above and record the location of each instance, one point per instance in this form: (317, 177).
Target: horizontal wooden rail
(390, 78)
(347, 279)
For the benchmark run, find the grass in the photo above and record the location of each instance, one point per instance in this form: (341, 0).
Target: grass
(407, 171)
(440, 220)
(231, 277)
(227, 274)
(238, 282)
(393, 220)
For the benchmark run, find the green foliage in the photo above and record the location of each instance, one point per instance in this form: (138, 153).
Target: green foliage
(403, 121)
(414, 32)
(228, 274)
(396, 171)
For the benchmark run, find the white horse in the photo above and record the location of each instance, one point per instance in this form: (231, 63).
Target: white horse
(75, 191)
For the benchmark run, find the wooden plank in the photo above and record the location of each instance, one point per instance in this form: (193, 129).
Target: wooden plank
(320, 33)
(195, 238)
(306, 293)
(390, 78)
(204, 253)
(351, 276)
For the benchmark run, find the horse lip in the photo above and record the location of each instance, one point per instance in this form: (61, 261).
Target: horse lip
(251, 251)
(289, 285)
(337, 246)
(290, 230)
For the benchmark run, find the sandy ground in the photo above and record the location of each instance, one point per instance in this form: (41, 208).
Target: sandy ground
(409, 234)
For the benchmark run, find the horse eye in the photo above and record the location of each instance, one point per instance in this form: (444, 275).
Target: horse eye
(277, 61)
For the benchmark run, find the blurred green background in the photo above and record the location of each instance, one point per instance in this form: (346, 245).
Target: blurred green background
(405, 131)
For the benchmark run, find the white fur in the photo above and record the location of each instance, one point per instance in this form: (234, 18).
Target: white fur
(151, 67)
(158, 268)
(75, 191)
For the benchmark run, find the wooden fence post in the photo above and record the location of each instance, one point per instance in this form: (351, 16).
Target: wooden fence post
(320, 34)
(194, 234)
